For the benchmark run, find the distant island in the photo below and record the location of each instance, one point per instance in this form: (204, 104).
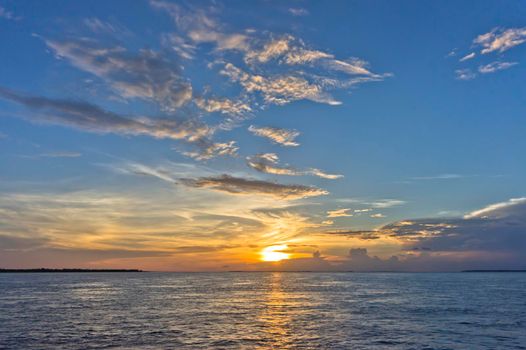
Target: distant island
(494, 271)
(68, 270)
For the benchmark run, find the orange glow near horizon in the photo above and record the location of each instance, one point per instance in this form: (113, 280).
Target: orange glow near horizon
(274, 253)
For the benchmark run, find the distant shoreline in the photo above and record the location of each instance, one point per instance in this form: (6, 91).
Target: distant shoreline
(494, 271)
(73, 270)
(43, 270)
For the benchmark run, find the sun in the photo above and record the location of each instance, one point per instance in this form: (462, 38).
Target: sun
(274, 253)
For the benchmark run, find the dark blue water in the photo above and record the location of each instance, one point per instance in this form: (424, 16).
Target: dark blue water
(263, 311)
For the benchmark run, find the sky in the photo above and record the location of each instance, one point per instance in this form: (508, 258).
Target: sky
(263, 135)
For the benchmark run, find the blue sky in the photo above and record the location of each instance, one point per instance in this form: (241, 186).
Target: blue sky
(235, 126)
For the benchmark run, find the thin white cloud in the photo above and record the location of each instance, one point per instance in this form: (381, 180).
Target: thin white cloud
(495, 66)
(339, 213)
(182, 47)
(500, 39)
(224, 106)
(298, 11)
(496, 208)
(6, 14)
(268, 163)
(272, 49)
(144, 170)
(200, 27)
(99, 26)
(322, 174)
(452, 53)
(353, 66)
(440, 177)
(386, 203)
(303, 56)
(62, 154)
(208, 150)
(465, 74)
(279, 90)
(265, 55)
(468, 57)
(280, 136)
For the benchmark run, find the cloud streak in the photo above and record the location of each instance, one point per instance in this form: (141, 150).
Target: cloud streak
(495, 66)
(146, 75)
(338, 213)
(268, 163)
(241, 186)
(280, 136)
(89, 117)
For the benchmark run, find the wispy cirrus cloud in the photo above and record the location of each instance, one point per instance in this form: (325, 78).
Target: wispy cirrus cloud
(208, 149)
(224, 105)
(322, 174)
(386, 203)
(280, 136)
(62, 154)
(144, 170)
(9, 15)
(200, 27)
(440, 177)
(268, 163)
(279, 90)
(500, 39)
(298, 11)
(91, 118)
(465, 74)
(337, 213)
(241, 186)
(147, 74)
(99, 26)
(233, 111)
(85, 116)
(265, 55)
(468, 57)
(495, 66)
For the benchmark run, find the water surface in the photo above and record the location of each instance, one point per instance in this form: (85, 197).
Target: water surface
(263, 311)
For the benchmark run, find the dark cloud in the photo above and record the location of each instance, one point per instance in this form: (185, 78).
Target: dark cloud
(493, 237)
(146, 74)
(89, 117)
(499, 227)
(241, 186)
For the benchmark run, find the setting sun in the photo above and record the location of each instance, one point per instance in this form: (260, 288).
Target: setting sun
(274, 253)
